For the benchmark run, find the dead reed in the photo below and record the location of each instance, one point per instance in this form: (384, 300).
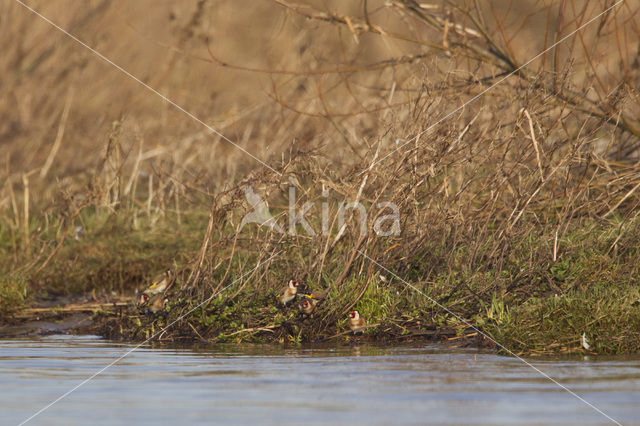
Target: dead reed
(509, 196)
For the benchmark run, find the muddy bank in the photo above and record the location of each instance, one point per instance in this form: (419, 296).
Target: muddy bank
(58, 316)
(122, 321)
(42, 327)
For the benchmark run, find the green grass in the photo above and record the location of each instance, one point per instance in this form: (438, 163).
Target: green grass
(608, 314)
(528, 302)
(112, 255)
(13, 293)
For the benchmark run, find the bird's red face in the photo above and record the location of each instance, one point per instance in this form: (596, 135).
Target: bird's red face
(144, 299)
(353, 314)
(305, 304)
(293, 284)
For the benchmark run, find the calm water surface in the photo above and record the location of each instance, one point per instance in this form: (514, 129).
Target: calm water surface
(335, 385)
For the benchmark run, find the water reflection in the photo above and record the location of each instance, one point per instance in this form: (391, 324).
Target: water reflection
(317, 385)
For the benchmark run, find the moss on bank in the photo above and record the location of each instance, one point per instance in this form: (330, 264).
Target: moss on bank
(13, 293)
(528, 306)
(517, 207)
(608, 315)
(110, 255)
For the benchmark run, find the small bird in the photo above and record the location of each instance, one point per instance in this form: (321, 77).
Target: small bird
(152, 304)
(585, 342)
(310, 301)
(356, 322)
(144, 298)
(288, 293)
(159, 284)
(307, 306)
(316, 295)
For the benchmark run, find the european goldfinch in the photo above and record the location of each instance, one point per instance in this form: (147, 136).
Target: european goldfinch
(310, 301)
(316, 295)
(288, 293)
(356, 322)
(159, 284)
(307, 306)
(152, 304)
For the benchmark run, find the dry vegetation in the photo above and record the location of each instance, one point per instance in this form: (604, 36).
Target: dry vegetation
(518, 203)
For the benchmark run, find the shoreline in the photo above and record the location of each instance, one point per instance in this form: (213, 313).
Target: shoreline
(106, 320)
(120, 320)
(530, 323)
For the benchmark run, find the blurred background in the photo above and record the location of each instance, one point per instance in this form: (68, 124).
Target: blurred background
(269, 76)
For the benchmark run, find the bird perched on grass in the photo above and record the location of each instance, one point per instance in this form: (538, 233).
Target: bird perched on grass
(316, 295)
(288, 293)
(307, 306)
(356, 323)
(310, 301)
(159, 283)
(152, 304)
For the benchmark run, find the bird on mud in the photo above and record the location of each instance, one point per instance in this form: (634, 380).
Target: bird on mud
(288, 293)
(357, 324)
(152, 304)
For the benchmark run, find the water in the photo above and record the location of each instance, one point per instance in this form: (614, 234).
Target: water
(330, 385)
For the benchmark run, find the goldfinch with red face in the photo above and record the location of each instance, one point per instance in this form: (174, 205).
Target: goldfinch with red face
(310, 301)
(152, 304)
(288, 293)
(356, 322)
(307, 306)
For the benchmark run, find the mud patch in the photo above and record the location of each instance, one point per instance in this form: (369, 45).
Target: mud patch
(47, 326)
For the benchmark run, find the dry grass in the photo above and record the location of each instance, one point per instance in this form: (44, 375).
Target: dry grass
(367, 100)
